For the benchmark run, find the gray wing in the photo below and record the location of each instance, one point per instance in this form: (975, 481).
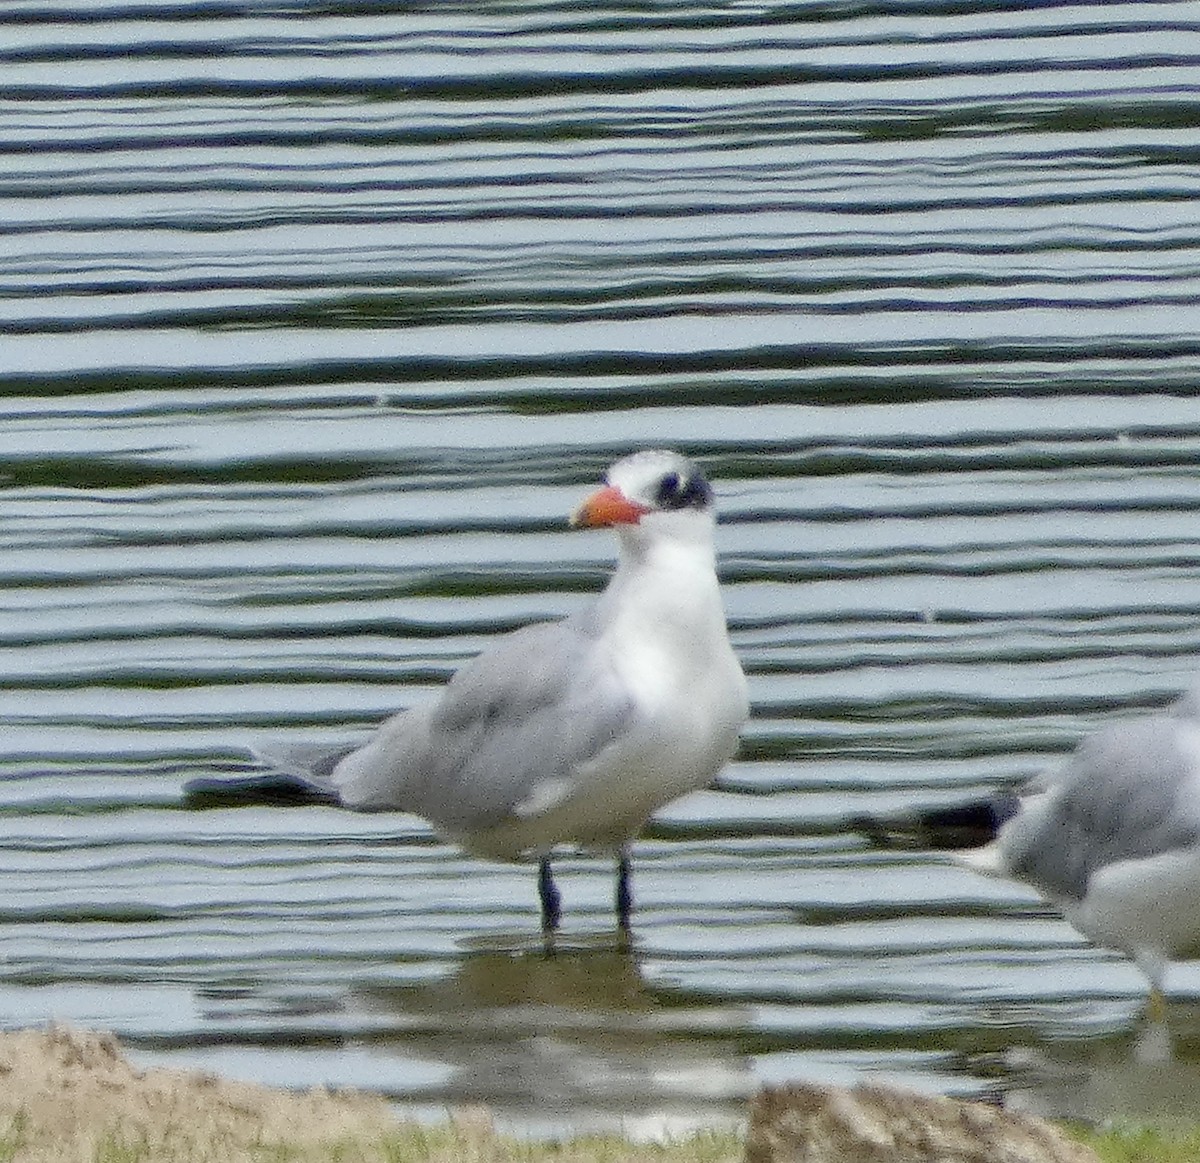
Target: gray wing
(311, 761)
(512, 724)
(1127, 792)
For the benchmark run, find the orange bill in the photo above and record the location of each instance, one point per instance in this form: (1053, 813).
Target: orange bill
(607, 506)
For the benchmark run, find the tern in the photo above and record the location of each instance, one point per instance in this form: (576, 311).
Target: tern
(1111, 838)
(570, 732)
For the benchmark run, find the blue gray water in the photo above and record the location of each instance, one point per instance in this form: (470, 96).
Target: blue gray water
(316, 320)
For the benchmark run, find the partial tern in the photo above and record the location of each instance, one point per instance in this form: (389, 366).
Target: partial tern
(1111, 837)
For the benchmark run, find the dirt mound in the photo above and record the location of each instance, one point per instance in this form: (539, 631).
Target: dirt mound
(71, 1094)
(806, 1123)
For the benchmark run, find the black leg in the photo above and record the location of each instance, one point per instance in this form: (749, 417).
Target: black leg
(624, 890)
(548, 892)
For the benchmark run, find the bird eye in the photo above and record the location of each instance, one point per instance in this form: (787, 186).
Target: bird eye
(668, 488)
(682, 492)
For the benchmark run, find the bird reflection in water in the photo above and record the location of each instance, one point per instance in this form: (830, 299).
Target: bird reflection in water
(573, 1041)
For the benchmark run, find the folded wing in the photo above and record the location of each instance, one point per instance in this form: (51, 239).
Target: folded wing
(510, 734)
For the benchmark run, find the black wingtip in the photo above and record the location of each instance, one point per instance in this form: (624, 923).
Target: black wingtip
(272, 788)
(968, 825)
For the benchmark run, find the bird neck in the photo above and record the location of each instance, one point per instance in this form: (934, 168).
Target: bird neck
(665, 587)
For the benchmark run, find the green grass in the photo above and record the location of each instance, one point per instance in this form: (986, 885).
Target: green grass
(416, 1144)
(12, 1138)
(129, 1140)
(1122, 1143)
(1133, 1143)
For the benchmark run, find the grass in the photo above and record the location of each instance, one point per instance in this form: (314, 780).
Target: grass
(417, 1144)
(12, 1138)
(1135, 1143)
(454, 1143)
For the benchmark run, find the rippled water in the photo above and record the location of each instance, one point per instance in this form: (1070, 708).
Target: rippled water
(314, 323)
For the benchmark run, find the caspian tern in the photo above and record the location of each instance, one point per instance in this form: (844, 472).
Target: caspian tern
(561, 733)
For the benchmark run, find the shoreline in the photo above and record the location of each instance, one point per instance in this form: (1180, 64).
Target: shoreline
(70, 1095)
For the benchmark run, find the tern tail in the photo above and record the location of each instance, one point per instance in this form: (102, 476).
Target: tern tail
(968, 825)
(300, 776)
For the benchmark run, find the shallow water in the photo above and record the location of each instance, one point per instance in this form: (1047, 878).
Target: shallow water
(314, 324)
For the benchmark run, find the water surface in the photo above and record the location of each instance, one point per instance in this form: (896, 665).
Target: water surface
(314, 324)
